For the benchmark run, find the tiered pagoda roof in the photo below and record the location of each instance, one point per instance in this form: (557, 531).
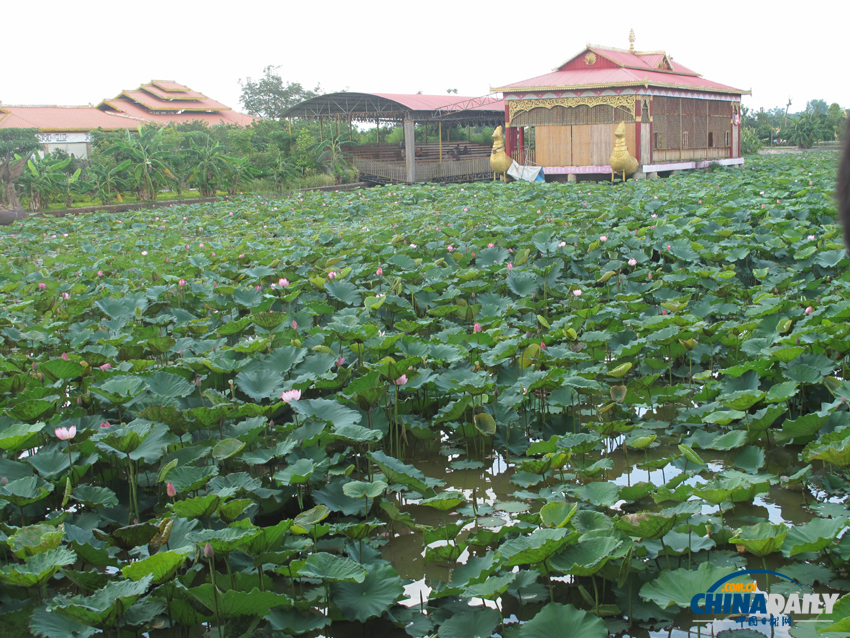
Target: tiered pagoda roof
(157, 102)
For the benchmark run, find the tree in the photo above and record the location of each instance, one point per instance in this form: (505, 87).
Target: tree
(269, 97)
(14, 143)
(210, 164)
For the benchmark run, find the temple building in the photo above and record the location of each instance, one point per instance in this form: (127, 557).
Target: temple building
(674, 118)
(160, 102)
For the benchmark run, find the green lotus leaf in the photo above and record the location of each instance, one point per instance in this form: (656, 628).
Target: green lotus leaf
(198, 507)
(233, 603)
(444, 501)
(227, 448)
(678, 586)
(839, 619)
(689, 454)
(260, 384)
(61, 369)
(485, 423)
(47, 625)
(832, 448)
(557, 514)
(474, 624)
(761, 539)
(161, 566)
(34, 539)
(123, 439)
(398, 472)
(380, 589)
(296, 623)
(169, 385)
(103, 608)
(327, 410)
(357, 434)
(37, 569)
(25, 491)
(19, 435)
(729, 441)
(266, 540)
(535, 547)
(750, 459)
(586, 557)
(189, 478)
(230, 511)
(554, 619)
(814, 536)
(297, 473)
(649, 525)
(332, 568)
(120, 389)
(223, 541)
(312, 516)
(360, 489)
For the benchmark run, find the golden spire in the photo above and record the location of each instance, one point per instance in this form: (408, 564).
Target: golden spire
(632, 41)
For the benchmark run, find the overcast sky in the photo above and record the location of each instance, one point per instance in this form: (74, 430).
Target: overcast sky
(78, 52)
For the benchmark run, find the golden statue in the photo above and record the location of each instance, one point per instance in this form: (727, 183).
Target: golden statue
(621, 160)
(499, 160)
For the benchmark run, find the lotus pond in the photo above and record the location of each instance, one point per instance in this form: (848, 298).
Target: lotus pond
(518, 410)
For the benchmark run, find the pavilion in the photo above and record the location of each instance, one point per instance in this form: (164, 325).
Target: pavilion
(409, 162)
(675, 119)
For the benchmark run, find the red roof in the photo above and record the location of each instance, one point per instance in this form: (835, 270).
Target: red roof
(62, 118)
(156, 91)
(618, 68)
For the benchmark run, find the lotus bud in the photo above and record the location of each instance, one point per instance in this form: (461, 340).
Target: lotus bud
(34, 366)
(172, 491)
(4, 481)
(209, 552)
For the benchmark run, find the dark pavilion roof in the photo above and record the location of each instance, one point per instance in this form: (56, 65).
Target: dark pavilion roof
(395, 106)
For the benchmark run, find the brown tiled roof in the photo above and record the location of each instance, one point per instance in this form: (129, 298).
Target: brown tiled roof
(153, 103)
(132, 109)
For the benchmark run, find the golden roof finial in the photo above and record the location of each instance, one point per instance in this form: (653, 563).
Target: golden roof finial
(632, 41)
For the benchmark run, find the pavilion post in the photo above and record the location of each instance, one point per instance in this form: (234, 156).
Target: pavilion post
(410, 150)
(440, 140)
(378, 130)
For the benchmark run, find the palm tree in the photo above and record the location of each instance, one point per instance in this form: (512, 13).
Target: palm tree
(107, 182)
(330, 154)
(150, 159)
(211, 164)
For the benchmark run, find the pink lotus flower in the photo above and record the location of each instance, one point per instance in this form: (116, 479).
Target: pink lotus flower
(401, 380)
(144, 253)
(491, 245)
(510, 266)
(166, 260)
(476, 327)
(340, 361)
(809, 310)
(105, 367)
(542, 346)
(242, 256)
(170, 489)
(379, 272)
(181, 283)
(632, 262)
(294, 325)
(290, 395)
(649, 276)
(283, 282)
(42, 285)
(64, 356)
(104, 424)
(603, 238)
(212, 254)
(577, 292)
(65, 296)
(668, 247)
(562, 244)
(663, 311)
(65, 434)
(331, 275)
(451, 248)
(811, 236)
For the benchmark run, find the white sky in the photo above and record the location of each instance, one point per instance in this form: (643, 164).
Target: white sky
(75, 52)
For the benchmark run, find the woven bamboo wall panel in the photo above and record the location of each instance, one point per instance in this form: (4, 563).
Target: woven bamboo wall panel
(567, 116)
(601, 144)
(552, 145)
(718, 108)
(581, 146)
